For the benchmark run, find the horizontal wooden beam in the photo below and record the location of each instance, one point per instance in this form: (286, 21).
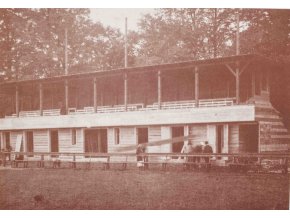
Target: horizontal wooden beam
(237, 113)
(145, 69)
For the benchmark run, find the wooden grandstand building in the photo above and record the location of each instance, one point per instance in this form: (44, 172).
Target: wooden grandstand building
(228, 101)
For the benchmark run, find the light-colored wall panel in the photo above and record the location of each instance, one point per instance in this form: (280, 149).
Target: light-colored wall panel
(41, 141)
(65, 141)
(166, 134)
(138, 118)
(234, 138)
(199, 133)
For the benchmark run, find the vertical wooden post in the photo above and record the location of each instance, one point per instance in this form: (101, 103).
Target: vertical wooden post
(17, 100)
(41, 98)
(126, 45)
(268, 82)
(260, 78)
(237, 83)
(66, 96)
(95, 95)
(99, 142)
(196, 81)
(253, 84)
(126, 91)
(65, 52)
(238, 34)
(159, 90)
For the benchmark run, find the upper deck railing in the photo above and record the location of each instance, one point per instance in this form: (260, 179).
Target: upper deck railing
(170, 105)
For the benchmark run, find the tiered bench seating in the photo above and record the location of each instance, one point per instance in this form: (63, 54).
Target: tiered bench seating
(29, 113)
(51, 112)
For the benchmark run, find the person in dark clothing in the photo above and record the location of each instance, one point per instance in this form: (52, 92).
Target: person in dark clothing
(8, 150)
(198, 150)
(207, 150)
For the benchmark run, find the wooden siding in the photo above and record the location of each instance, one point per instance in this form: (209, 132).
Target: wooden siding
(226, 139)
(65, 141)
(128, 140)
(199, 133)
(166, 134)
(233, 138)
(41, 141)
(274, 136)
(210, 137)
(154, 134)
(128, 136)
(13, 137)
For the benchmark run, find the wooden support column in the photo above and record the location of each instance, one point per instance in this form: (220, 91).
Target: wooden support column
(41, 98)
(159, 90)
(196, 86)
(253, 84)
(268, 82)
(126, 91)
(237, 83)
(66, 96)
(17, 100)
(260, 78)
(95, 95)
(237, 75)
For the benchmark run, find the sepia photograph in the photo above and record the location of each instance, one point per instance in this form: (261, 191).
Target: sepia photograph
(173, 108)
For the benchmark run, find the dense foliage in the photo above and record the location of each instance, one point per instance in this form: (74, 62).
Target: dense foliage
(32, 40)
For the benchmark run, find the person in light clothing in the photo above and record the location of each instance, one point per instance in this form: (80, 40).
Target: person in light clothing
(139, 153)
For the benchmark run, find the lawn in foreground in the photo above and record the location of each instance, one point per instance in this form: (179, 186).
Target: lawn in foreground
(113, 189)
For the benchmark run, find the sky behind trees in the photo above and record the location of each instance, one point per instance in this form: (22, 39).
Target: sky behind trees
(115, 17)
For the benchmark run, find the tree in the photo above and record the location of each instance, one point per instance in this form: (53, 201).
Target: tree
(186, 34)
(32, 43)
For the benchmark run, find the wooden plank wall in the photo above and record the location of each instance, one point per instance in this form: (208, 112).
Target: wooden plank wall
(166, 134)
(233, 138)
(128, 140)
(154, 134)
(65, 141)
(273, 136)
(13, 137)
(41, 141)
(199, 132)
(128, 135)
(211, 136)
(226, 139)
(2, 140)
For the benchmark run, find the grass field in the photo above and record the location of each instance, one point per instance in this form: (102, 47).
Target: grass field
(131, 189)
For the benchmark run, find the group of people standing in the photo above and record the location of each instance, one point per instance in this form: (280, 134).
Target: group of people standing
(191, 161)
(202, 148)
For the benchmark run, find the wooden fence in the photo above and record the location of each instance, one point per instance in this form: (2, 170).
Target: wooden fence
(257, 162)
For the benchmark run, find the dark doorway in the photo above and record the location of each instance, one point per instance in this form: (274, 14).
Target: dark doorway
(142, 135)
(177, 132)
(96, 141)
(54, 142)
(249, 138)
(7, 140)
(29, 142)
(219, 139)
